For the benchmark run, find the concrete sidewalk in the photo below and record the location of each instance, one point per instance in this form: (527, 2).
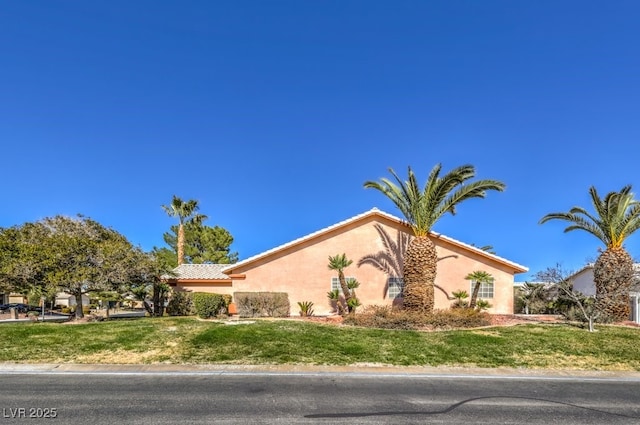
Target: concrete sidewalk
(354, 370)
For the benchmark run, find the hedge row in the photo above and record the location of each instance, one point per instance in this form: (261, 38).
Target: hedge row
(262, 304)
(387, 317)
(202, 304)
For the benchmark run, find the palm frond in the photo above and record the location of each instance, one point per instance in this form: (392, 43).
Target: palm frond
(616, 216)
(440, 194)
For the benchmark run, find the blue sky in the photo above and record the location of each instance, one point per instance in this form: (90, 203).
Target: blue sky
(274, 113)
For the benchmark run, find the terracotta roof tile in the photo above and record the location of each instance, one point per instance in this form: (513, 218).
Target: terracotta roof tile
(200, 271)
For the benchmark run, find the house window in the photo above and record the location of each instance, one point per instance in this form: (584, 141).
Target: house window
(486, 290)
(396, 286)
(335, 282)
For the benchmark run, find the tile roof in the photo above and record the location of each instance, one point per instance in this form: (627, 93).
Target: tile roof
(200, 272)
(372, 212)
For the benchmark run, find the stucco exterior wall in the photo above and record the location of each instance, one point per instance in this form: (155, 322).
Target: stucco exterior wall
(583, 281)
(302, 270)
(456, 263)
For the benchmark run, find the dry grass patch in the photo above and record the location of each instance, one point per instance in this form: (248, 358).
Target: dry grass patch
(561, 361)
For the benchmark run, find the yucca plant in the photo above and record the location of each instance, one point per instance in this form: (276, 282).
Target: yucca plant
(353, 303)
(339, 263)
(334, 299)
(478, 278)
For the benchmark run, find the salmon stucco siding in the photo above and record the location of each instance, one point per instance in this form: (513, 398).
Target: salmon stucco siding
(300, 268)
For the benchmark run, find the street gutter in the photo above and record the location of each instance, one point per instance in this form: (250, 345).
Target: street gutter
(309, 370)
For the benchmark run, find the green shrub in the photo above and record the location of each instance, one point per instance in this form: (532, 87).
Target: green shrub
(65, 310)
(181, 304)
(262, 304)
(209, 305)
(86, 309)
(386, 317)
(458, 318)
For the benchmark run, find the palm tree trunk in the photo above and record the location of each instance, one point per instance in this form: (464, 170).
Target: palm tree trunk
(180, 243)
(345, 289)
(420, 275)
(613, 278)
(474, 295)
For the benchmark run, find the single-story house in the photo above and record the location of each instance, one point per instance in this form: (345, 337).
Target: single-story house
(9, 298)
(64, 299)
(375, 241)
(582, 281)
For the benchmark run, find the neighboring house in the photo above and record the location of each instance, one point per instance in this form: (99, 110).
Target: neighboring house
(376, 242)
(64, 299)
(582, 281)
(8, 298)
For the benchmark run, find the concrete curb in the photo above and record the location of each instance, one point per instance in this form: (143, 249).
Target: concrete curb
(355, 370)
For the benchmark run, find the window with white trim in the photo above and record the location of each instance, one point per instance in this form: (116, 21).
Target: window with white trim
(486, 290)
(395, 287)
(335, 283)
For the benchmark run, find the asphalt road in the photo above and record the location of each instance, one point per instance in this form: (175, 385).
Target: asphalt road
(288, 398)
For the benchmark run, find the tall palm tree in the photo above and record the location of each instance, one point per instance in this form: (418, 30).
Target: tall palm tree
(187, 212)
(616, 217)
(339, 263)
(422, 209)
(478, 278)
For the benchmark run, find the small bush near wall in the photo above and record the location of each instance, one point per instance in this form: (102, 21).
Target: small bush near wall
(181, 304)
(262, 304)
(210, 305)
(386, 317)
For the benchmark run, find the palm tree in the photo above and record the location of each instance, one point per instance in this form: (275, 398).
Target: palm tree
(422, 209)
(186, 213)
(616, 217)
(478, 278)
(529, 293)
(339, 263)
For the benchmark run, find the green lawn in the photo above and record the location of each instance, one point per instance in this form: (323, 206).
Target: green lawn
(191, 341)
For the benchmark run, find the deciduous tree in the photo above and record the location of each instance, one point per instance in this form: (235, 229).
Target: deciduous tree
(77, 255)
